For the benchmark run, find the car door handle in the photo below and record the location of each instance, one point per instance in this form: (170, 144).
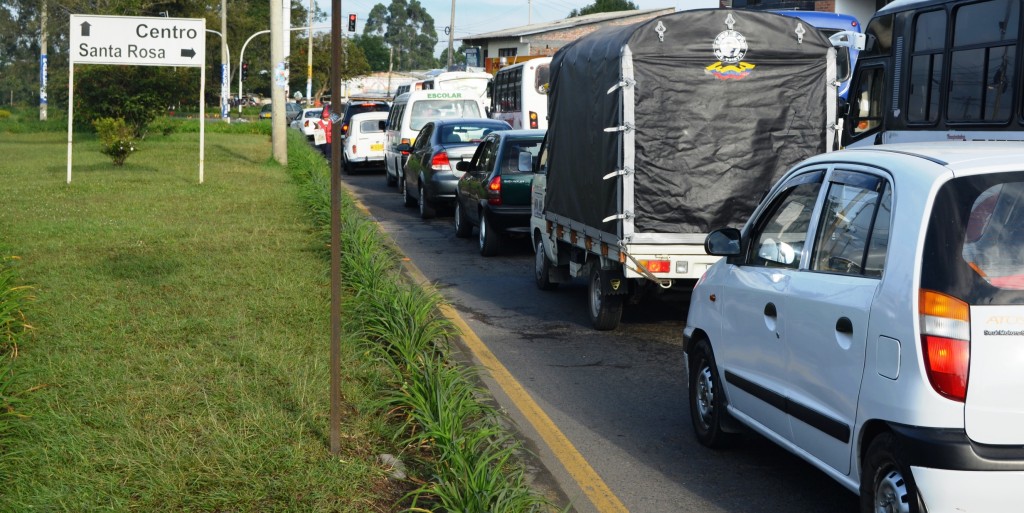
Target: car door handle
(844, 325)
(769, 310)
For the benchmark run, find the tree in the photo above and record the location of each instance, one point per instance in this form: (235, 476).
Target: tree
(353, 56)
(408, 29)
(603, 6)
(375, 50)
(458, 58)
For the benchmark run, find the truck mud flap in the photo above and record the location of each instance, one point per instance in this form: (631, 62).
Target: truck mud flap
(614, 283)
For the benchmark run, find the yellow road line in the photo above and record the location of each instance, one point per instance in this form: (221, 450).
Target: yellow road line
(600, 495)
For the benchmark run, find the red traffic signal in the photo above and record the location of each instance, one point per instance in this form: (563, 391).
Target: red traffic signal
(351, 22)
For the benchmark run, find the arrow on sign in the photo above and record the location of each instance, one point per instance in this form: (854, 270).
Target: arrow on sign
(85, 28)
(190, 53)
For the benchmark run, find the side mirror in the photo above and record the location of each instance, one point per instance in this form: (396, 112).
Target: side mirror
(525, 162)
(464, 165)
(724, 242)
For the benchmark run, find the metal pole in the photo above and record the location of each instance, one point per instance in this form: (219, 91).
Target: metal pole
(336, 42)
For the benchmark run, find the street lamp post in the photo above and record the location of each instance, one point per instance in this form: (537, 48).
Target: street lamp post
(241, 56)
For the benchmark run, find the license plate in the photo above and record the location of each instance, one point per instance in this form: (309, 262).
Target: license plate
(377, 147)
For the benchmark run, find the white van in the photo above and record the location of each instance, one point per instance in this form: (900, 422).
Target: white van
(414, 109)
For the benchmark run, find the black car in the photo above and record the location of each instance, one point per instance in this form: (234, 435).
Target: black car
(358, 107)
(494, 192)
(428, 177)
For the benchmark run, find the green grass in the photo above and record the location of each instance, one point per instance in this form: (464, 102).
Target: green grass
(180, 350)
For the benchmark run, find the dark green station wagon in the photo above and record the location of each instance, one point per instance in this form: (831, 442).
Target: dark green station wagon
(494, 192)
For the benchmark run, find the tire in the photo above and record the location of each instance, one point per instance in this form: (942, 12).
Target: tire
(490, 239)
(426, 208)
(542, 269)
(886, 484)
(605, 311)
(406, 199)
(707, 398)
(463, 226)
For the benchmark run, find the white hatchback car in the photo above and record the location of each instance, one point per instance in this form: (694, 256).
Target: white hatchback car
(869, 318)
(364, 142)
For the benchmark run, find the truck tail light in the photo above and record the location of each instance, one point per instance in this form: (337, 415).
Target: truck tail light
(405, 141)
(440, 162)
(494, 191)
(533, 120)
(946, 341)
(656, 266)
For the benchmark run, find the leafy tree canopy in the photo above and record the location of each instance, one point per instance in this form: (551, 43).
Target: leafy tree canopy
(603, 6)
(408, 29)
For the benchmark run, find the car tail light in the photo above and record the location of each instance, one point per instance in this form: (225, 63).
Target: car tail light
(305, 123)
(440, 162)
(354, 151)
(494, 191)
(405, 141)
(946, 341)
(533, 120)
(657, 266)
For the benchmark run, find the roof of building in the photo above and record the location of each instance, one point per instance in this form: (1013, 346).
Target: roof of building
(540, 28)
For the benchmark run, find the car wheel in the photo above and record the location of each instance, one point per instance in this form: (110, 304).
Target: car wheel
(426, 208)
(605, 310)
(463, 226)
(886, 485)
(490, 239)
(406, 198)
(707, 399)
(542, 269)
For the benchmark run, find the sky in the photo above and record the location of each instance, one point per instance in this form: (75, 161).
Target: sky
(480, 16)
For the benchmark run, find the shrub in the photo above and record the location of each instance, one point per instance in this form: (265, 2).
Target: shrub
(4, 114)
(164, 125)
(117, 140)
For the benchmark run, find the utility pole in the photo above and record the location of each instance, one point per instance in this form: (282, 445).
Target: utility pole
(278, 81)
(309, 57)
(335, 420)
(42, 64)
(451, 36)
(225, 73)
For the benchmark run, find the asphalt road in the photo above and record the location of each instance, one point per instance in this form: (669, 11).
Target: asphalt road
(619, 397)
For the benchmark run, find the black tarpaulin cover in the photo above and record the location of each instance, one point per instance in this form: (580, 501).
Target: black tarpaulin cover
(715, 125)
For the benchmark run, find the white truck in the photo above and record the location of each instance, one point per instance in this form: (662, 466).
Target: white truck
(663, 130)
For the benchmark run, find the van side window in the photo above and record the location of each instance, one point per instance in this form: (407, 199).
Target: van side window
(853, 234)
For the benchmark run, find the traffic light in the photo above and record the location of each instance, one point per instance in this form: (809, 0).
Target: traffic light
(352, 22)
(245, 71)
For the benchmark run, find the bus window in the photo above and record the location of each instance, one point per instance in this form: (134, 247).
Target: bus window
(982, 61)
(866, 108)
(926, 67)
(879, 34)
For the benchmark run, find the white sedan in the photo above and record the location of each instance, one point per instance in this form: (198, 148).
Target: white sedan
(307, 121)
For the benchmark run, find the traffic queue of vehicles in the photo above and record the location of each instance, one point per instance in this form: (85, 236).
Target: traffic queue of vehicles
(867, 314)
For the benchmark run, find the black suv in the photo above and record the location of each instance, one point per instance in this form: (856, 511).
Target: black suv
(354, 107)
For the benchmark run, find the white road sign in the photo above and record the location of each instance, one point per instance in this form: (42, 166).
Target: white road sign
(136, 40)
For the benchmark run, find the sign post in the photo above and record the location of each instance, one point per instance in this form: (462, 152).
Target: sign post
(138, 41)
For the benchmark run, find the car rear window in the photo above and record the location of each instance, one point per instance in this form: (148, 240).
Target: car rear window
(974, 248)
(510, 162)
(425, 111)
(370, 126)
(359, 108)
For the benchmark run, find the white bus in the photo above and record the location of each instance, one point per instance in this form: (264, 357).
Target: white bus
(936, 70)
(472, 83)
(519, 94)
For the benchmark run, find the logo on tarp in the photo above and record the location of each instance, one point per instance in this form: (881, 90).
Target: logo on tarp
(730, 48)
